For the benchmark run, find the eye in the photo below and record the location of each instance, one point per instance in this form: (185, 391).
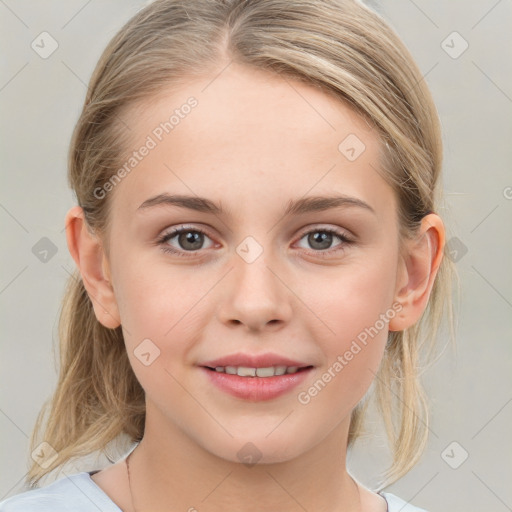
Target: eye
(188, 239)
(321, 240)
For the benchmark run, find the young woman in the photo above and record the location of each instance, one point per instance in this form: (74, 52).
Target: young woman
(258, 252)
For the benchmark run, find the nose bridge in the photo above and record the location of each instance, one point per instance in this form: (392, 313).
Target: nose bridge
(256, 296)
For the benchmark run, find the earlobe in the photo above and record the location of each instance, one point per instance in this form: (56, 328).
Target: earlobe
(419, 267)
(88, 254)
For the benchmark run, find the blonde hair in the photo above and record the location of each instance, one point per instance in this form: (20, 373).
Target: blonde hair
(342, 47)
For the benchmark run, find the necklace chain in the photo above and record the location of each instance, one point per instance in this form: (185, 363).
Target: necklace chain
(129, 480)
(131, 493)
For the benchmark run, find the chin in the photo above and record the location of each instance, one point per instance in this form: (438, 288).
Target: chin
(257, 450)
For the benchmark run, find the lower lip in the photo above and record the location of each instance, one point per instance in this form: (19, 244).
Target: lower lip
(256, 388)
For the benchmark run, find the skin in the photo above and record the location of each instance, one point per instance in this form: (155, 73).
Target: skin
(254, 142)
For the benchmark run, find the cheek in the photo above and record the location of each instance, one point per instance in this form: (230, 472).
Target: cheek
(350, 298)
(162, 304)
(354, 309)
(156, 317)
(149, 297)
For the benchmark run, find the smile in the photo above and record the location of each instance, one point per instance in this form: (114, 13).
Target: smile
(255, 384)
(245, 371)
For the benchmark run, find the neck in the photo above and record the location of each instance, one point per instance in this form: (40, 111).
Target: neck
(173, 471)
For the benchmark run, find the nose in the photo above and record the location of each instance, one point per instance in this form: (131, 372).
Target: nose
(255, 295)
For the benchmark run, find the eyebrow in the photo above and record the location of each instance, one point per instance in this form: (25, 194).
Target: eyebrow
(297, 207)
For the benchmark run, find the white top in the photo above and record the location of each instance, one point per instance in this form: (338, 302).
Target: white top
(80, 493)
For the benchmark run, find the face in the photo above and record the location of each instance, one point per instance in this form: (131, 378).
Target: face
(250, 276)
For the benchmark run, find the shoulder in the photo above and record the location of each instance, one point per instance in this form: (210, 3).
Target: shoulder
(77, 493)
(395, 504)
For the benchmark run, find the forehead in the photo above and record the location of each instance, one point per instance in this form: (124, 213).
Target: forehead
(251, 138)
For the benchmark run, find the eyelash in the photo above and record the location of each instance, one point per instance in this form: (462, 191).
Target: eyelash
(162, 241)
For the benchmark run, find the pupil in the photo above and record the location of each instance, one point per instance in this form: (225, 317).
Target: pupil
(322, 238)
(192, 237)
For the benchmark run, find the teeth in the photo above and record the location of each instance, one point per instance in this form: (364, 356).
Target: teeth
(245, 371)
(265, 372)
(280, 370)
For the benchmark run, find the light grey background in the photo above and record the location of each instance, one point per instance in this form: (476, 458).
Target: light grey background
(470, 390)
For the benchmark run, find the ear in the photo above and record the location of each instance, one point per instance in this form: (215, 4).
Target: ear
(419, 264)
(87, 251)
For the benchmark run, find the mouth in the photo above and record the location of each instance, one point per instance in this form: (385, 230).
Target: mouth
(255, 377)
(264, 372)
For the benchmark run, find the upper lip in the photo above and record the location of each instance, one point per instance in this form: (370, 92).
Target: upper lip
(253, 361)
